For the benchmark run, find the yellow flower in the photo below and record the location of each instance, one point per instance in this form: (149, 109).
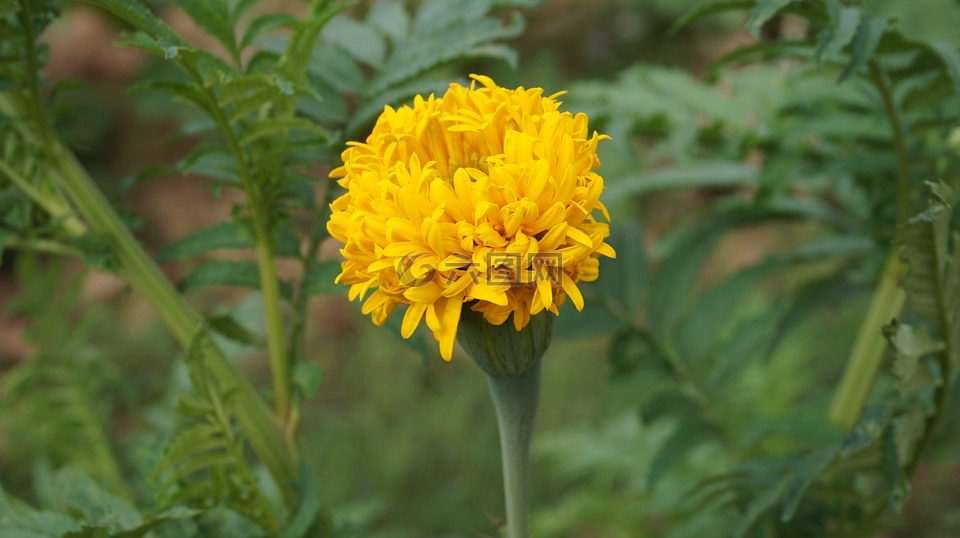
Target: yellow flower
(485, 196)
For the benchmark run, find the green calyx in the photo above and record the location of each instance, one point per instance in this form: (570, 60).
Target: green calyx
(501, 350)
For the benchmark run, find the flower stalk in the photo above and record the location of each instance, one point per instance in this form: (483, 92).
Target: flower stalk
(515, 399)
(511, 361)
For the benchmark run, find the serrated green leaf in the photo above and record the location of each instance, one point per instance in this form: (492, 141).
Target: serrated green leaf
(371, 106)
(238, 8)
(18, 519)
(166, 49)
(461, 39)
(305, 517)
(229, 327)
(433, 15)
(630, 352)
(763, 11)
(844, 21)
(242, 274)
(869, 428)
(894, 476)
(715, 311)
(282, 127)
(669, 401)
(172, 514)
(213, 16)
(197, 439)
(301, 45)
(202, 461)
(717, 174)
(868, 36)
(138, 16)
(804, 475)
(225, 235)
(391, 18)
(97, 250)
(908, 429)
(258, 103)
(675, 278)
(182, 91)
(760, 504)
(912, 345)
(925, 249)
(363, 42)
(265, 24)
(211, 161)
(951, 60)
(707, 9)
(243, 86)
(802, 49)
(78, 494)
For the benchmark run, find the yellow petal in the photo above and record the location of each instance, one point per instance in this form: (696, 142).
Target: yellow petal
(606, 250)
(412, 319)
(545, 292)
(572, 291)
(428, 293)
(450, 319)
(579, 237)
(492, 294)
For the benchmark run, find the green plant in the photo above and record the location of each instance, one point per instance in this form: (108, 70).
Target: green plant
(846, 150)
(266, 113)
(779, 322)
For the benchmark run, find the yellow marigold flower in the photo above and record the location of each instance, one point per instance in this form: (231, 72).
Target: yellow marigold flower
(484, 196)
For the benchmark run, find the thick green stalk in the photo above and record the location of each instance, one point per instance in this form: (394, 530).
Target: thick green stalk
(147, 279)
(867, 353)
(515, 398)
(273, 316)
(55, 206)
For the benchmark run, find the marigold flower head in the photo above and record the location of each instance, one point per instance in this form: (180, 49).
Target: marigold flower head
(484, 197)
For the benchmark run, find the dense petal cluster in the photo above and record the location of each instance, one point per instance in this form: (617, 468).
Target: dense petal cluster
(485, 196)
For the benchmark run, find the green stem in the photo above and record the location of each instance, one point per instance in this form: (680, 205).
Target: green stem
(882, 82)
(269, 285)
(44, 246)
(515, 398)
(867, 353)
(147, 279)
(273, 315)
(299, 323)
(32, 68)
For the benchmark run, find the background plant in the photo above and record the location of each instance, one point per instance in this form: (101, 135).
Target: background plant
(761, 203)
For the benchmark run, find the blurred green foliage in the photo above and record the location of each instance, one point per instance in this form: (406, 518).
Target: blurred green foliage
(755, 205)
